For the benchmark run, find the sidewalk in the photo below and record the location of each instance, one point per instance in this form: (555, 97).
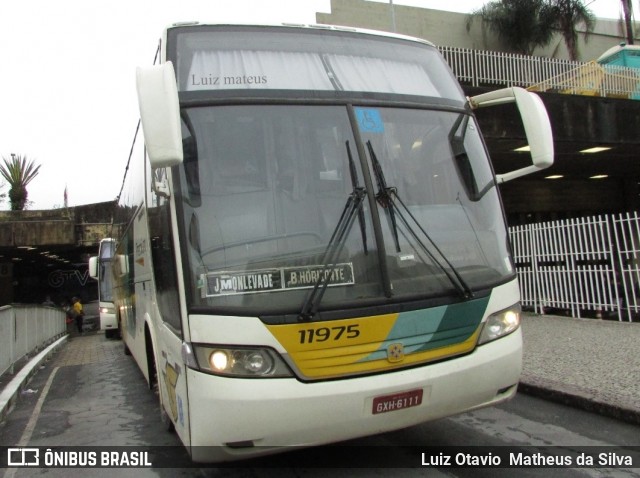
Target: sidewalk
(586, 363)
(71, 349)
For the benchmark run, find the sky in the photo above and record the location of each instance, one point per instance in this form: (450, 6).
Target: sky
(67, 88)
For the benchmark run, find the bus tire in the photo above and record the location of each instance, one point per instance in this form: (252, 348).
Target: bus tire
(126, 348)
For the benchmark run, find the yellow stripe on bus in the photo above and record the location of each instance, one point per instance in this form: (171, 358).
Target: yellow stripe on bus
(333, 367)
(354, 346)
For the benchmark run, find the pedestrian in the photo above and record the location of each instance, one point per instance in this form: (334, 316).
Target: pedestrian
(78, 313)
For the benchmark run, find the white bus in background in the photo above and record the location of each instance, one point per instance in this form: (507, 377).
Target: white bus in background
(100, 269)
(313, 245)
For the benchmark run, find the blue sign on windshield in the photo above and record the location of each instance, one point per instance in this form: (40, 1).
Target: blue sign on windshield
(369, 120)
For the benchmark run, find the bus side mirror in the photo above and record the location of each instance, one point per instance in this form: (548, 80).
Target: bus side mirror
(160, 114)
(537, 126)
(93, 267)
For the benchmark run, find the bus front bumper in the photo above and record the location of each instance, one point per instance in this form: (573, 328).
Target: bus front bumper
(232, 419)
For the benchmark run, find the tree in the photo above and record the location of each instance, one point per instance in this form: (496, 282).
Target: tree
(628, 13)
(569, 14)
(18, 172)
(523, 25)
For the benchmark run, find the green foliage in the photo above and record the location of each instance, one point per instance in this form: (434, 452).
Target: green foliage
(18, 172)
(523, 25)
(569, 14)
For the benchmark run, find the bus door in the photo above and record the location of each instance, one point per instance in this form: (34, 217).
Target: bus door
(171, 375)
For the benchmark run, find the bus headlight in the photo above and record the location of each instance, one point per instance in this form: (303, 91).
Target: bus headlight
(240, 361)
(500, 324)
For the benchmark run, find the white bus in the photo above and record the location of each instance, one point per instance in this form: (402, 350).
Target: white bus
(100, 269)
(314, 247)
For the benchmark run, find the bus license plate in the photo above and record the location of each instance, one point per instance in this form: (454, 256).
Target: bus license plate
(397, 401)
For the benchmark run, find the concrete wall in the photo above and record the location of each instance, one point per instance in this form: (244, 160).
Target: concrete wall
(449, 28)
(68, 226)
(28, 274)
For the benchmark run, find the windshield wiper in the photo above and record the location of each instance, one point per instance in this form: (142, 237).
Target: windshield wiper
(336, 243)
(387, 196)
(356, 187)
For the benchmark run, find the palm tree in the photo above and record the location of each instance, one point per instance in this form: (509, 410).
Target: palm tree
(18, 172)
(569, 14)
(522, 25)
(628, 13)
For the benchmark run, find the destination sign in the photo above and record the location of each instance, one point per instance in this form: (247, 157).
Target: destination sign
(303, 277)
(266, 280)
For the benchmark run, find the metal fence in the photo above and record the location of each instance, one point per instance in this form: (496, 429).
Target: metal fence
(478, 68)
(586, 264)
(25, 330)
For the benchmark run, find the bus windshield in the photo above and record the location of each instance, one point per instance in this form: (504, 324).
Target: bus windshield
(263, 191)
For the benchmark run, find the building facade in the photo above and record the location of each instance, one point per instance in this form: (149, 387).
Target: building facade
(450, 28)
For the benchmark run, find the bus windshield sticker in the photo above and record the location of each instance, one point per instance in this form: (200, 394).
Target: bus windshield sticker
(305, 277)
(369, 120)
(246, 67)
(216, 284)
(241, 282)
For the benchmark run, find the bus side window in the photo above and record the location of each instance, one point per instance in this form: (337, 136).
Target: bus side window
(191, 166)
(164, 269)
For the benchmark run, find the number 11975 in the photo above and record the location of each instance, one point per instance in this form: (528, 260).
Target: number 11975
(322, 334)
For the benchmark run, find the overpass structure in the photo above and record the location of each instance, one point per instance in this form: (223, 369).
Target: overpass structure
(44, 254)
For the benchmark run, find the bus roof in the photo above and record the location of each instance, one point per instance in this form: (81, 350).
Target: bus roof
(336, 28)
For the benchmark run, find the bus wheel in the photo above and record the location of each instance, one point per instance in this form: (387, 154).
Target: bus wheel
(126, 348)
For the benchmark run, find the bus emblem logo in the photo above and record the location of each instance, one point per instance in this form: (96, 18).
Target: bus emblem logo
(395, 352)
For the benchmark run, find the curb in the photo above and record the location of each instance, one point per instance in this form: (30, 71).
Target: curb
(10, 392)
(581, 400)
